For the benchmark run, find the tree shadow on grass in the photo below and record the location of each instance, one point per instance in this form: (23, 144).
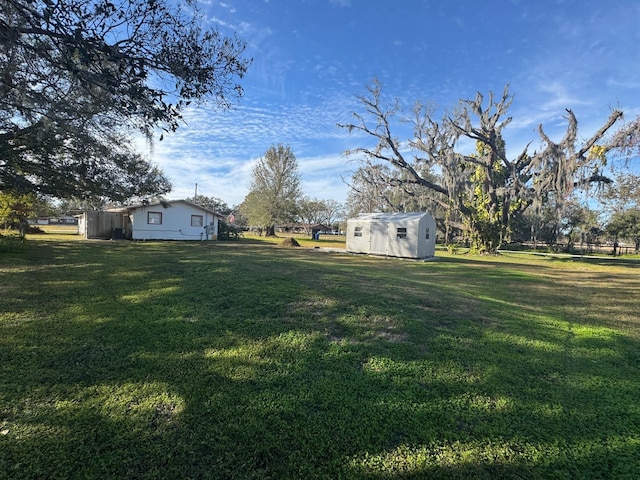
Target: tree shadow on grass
(182, 362)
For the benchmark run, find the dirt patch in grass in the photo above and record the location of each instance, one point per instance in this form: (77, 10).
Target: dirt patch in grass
(289, 242)
(369, 330)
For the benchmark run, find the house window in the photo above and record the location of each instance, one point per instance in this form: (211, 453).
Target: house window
(154, 218)
(401, 232)
(427, 235)
(196, 220)
(357, 232)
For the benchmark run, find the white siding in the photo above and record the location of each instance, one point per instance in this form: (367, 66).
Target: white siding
(175, 223)
(378, 232)
(358, 236)
(392, 234)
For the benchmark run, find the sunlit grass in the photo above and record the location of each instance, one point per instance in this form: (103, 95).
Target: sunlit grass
(246, 360)
(325, 241)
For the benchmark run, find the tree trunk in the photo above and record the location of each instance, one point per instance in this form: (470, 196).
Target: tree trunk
(270, 231)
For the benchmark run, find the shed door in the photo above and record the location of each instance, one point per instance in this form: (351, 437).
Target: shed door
(379, 238)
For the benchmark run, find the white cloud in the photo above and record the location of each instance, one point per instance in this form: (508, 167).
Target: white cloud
(559, 96)
(216, 150)
(220, 22)
(230, 8)
(298, 89)
(229, 179)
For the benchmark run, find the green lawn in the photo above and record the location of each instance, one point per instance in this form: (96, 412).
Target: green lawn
(122, 360)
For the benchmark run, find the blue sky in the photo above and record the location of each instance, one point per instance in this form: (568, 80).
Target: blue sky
(312, 58)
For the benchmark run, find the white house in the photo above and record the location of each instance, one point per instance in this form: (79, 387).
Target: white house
(406, 235)
(173, 220)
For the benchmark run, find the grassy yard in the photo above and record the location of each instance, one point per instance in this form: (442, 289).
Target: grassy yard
(59, 229)
(244, 360)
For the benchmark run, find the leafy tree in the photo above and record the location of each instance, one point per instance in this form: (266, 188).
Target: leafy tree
(227, 231)
(77, 76)
(622, 194)
(46, 207)
(579, 223)
(239, 220)
(212, 203)
(486, 189)
(15, 210)
(275, 190)
(79, 205)
(536, 227)
(626, 224)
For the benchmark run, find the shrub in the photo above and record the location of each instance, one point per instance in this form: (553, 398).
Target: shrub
(227, 231)
(12, 243)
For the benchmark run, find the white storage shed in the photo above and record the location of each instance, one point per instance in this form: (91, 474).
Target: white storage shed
(405, 235)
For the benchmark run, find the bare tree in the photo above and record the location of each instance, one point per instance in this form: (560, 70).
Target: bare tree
(377, 187)
(485, 188)
(333, 211)
(370, 189)
(311, 211)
